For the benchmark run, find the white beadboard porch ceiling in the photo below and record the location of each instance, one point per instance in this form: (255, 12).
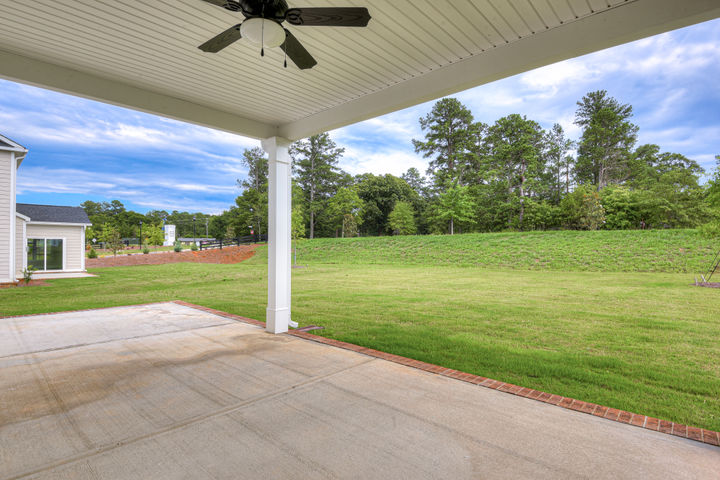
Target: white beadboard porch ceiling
(143, 54)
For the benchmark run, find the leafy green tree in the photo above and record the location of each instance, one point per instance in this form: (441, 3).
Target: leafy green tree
(111, 236)
(315, 165)
(253, 202)
(579, 206)
(100, 213)
(625, 208)
(256, 162)
(94, 208)
(116, 207)
(582, 209)
(667, 189)
(344, 210)
(605, 147)
(152, 234)
(221, 224)
(713, 191)
(128, 223)
(157, 216)
(450, 139)
(560, 165)
(297, 228)
(593, 216)
(350, 225)
(541, 215)
(379, 194)
(455, 206)
(402, 219)
(416, 180)
(516, 146)
(252, 213)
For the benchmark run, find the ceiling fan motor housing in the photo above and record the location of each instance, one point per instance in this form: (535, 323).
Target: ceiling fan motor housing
(263, 26)
(272, 9)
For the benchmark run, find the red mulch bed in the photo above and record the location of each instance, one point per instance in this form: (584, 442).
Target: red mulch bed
(708, 284)
(227, 255)
(33, 283)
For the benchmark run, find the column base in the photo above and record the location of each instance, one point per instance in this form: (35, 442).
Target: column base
(277, 320)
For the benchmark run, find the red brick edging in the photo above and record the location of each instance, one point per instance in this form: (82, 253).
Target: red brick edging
(692, 433)
(702, 435)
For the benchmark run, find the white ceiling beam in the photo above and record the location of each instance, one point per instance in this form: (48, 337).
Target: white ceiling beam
(630, 21)
(43, 74)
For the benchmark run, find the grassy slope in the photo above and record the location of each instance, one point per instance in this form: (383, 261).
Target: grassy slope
(606, 251)
(643, 342)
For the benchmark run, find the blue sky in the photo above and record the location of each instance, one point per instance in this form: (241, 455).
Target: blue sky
(80, 149)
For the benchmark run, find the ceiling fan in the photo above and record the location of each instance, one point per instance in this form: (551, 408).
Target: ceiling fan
(263, 26)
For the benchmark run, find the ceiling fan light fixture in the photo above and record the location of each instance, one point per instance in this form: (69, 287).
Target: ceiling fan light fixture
(262, 31)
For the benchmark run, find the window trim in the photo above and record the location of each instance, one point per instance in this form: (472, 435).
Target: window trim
(45, 239)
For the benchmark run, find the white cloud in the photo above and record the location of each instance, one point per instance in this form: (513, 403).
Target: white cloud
(676, 60)
(554, 76)
(395, 162)
(681, 138)
(156, 190)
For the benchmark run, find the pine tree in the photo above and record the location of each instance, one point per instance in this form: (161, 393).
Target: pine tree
(315, 164)
(559, 163)
(516, 147)
(253, 201)
(605, 147)
(450, 138)
(257, 164)
(416, 181)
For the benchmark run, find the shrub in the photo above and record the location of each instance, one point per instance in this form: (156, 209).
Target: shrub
(177, 247)
(92, 253)
(710, 230)
(146, 250)
(112, 238)
(402, 219)
(27, 274)
(194, 247)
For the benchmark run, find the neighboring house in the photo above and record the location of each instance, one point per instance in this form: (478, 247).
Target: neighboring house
(46, 237)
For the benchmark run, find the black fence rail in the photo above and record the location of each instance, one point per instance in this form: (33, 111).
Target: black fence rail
(228, 242)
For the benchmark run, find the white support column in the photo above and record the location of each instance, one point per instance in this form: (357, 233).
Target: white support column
(12, 273)
(82, 249)
(279, 219)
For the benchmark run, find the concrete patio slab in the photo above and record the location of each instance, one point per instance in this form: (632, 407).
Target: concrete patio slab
(166, 391)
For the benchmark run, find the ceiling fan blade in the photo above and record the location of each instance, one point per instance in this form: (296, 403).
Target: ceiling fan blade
(232, 5)
(221, 41)
(219, 3)
(297, 52)
(329, 17)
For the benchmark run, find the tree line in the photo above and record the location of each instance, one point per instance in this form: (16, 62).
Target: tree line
(111, 220)
(509, 175)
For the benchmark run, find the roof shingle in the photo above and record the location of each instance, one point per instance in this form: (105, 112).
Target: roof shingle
(53, 213)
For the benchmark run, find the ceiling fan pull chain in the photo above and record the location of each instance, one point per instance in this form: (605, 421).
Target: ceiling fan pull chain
(285, 48)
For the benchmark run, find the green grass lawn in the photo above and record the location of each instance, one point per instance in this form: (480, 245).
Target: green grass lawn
(684, 251)
(642, 342)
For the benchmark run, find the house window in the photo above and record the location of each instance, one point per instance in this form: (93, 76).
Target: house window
(45, 253)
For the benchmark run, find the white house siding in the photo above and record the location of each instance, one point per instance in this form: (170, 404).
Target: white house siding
(19, 246)
(7, 215)
(73, 245)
